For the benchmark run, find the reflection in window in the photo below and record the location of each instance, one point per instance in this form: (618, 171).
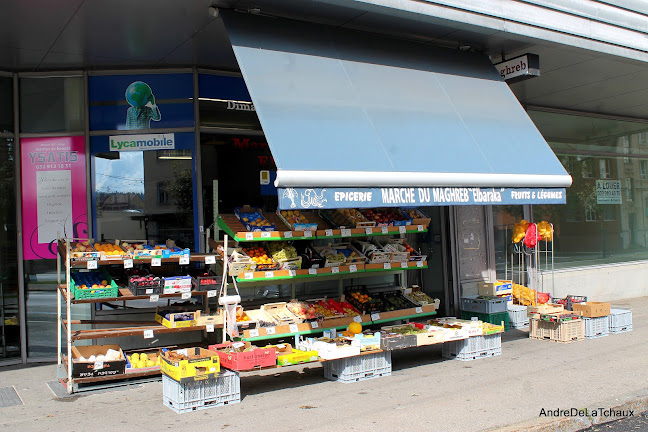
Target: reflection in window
(504, 217)
(587, 168)
(51, 104)
(604, 169)
(643, 169)
(629, 189)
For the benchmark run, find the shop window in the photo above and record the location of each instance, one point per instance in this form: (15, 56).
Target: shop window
(51, 104)
(6, 104)
(184, 154)
(163, 193)
(643, 169)
(625, 147)
(605, 169)
(587, 168)
(629, 189)
(609, 213)
(590, 213)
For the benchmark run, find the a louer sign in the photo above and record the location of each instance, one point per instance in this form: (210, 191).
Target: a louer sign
(122, 143)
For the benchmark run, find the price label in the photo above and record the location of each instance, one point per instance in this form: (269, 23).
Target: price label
(357, 318)
(293, 328)
(184, 260)
(292, 273)
(287, 234)
(368, 231)
(210, 259)
(384, 230)
(419, 310)
(314, 324)
(249, 236)
(404, 265)
(328, 232)
(474, 318)
(387, 266)
(249, 275)
(308, 233)
(128, 263)
(402, 229)
(266, 234)
(420, 228)
(98, 364)
(254, 333)
(312, 271)
(148, 334)
(419, 263)
(407, 291)
(345, 232)
(375, 316)
(270, 330)
(91, 265)
(269, 274)
(154, 298)
(149, 290)
(212, 293)
(156, 262)
(209, 328)
(186, 296)
(353, 268)
(335, 270)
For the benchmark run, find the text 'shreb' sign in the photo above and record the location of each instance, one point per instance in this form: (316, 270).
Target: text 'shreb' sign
(122, 143)
(305, 198)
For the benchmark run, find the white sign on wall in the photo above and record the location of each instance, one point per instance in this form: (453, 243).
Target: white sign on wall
(608, 192)
(54, 203)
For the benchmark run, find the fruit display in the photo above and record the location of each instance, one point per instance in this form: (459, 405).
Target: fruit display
(280, 312)
(332, 257)
(524, 295)
(94, 280)
(145, 284)
(81, 251)
(339, 254)
(532, 233)
(141, 250)
(395, 301)
(374, 252)
(143, 360)
(281, 251)
(420, 297)
(303, 310)
(206, 280)
(108, 250)
(252, 219)
(348, 310)
(355, 327)
(297, 220)
(258, 254)
(81, 247)
(348, 218)
(417, 216)
(387, 216)
(322, 309)
(364, 302)
(241, 316)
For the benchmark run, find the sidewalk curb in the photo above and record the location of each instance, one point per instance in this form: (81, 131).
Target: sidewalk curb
(575, 424)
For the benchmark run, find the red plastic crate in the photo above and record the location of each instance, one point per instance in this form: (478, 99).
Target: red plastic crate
(247, 360)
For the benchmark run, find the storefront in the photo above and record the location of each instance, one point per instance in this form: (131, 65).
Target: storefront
(445, 135)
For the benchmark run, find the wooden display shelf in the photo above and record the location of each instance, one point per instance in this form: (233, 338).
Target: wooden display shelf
(192, 258)
(125, 294)
(130, 331)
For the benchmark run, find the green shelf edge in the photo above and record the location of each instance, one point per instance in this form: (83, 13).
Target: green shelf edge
(323, 274)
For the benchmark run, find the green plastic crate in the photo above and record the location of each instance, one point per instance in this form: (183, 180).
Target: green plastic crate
(495, 318)
(79, 294)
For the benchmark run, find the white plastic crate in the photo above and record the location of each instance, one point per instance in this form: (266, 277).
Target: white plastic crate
(359, 368)
(620, 321)
(596, 327)
(473, 348)
(197, 395)
(518, 317)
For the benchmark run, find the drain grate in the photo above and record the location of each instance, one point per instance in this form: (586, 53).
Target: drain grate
(9, 397)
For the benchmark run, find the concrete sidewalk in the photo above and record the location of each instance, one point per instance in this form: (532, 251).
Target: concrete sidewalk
(425, 392)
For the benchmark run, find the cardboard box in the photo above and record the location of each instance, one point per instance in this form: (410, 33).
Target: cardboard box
(368, 342)
(329, 350)
(177, 284)
(495, 288)
(152, 354)
(171, 321)
(287, 356)
(592, 309)
(201, 364)
(96, 368)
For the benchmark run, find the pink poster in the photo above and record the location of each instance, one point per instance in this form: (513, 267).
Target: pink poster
(53, 193)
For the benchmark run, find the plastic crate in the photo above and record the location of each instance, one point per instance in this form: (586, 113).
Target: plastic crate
(97, 275)
(494, 318)
(473, 348)
(518, 317)
(483, 304)
(145, 287)
(562, 332)
(197, 395)
(596, 327)
(568, 301)
(620, 321)
(359, 368)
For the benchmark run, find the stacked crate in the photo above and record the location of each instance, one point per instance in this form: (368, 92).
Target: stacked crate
(486, 308)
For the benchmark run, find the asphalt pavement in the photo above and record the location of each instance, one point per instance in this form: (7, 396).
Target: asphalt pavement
(515, 391)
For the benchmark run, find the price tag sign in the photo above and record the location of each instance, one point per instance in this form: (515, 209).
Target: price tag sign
(308, 233)
(128, 263)
(212, 293)
(254, 333)
(270, 330)
(148, 334)
(249, 275)
(402, 229)
(266, 234)
(353, 268)
(328, 232)
(384, 230)
(209, 328)
(387, 266)
(186, 296)
(375, 316)
(419, 263)
(345, 232)
(314, 324)
(407, 291)
(312, 271)
(292, 273)
(357, 318)
(156, 262)
(404, 265)
(154, 298)
(335, 270)
(98, 364)
(368, 231)
(269, 274)
(419, 310)
(91, 265)
(210, 259)
(184, 260)
(420, 228)
(249, 236)
(287, 234)
(293, 328)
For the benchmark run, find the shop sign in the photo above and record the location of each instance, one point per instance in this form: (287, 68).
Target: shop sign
(608, 192)
(53, 193)
(122, 143)
(519, 68)
(305, 198)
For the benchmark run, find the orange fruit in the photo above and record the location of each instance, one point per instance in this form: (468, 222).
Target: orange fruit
(355, 327)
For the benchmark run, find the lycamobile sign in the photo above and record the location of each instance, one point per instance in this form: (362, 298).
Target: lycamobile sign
(142, 142)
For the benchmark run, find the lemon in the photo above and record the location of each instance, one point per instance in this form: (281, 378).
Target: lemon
(143, 357)
(134, 358)
(141, 364)
(150, 363)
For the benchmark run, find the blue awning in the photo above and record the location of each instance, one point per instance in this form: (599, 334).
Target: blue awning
(341, 108)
